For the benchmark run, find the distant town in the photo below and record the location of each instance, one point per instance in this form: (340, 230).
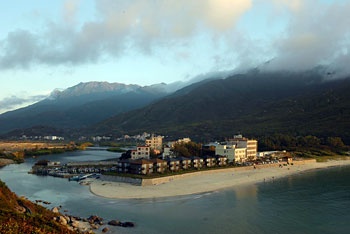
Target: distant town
(155, 156)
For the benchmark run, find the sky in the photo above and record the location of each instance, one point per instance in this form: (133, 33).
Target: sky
(56, 44)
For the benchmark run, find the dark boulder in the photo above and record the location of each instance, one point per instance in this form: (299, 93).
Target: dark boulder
(94, 219)
(106, 229)
(128, 224)
(114, 223)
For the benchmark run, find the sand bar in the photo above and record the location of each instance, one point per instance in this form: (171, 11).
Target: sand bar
(204, 182)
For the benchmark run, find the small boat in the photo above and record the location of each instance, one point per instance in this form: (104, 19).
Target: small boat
(74, 178)
(83, 177)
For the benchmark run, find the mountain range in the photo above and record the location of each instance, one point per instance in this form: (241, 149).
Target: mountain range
(82, 105)
(253, 103)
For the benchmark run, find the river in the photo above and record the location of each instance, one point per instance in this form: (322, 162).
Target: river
(312, 202)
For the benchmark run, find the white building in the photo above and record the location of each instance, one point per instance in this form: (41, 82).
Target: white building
(233, 153)
(183, 140)
(241, 142)
(141, 152)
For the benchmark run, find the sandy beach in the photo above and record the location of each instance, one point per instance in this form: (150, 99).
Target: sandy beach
(205, 182)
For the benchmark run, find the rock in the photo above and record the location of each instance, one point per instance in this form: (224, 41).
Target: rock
(21, 209)
(55, 210)
(67, 218)
(94, 226)
(62, 220)
(128, 224)
(75, 224)
(106, 229)
(114, 223)
(95, 219)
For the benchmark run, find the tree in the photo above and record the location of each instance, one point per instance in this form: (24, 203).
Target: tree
(335, 142)
(187, 149)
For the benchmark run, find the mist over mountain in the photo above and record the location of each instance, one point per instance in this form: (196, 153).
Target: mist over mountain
(253, 103)
(82, 105)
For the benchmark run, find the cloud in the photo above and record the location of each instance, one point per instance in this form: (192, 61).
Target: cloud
(70, 8)
(14, 102)
(140, 24)
(316, 35)
(294, 5)
(312, 33)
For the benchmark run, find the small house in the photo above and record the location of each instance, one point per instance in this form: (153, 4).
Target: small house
(209, 161)
(141, 167)
(185, 163)
(173, 164)
(221, 160)
(197, 162)
(159, 165)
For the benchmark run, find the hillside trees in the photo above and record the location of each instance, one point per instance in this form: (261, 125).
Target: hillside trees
(292, 143)
(187, 149)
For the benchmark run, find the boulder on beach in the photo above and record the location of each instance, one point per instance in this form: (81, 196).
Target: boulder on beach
(106, 229)
(75, 223)
(62, 220)
(114, 223)
(128, 224)
(94, 219)
(55, 210)
(121, 224)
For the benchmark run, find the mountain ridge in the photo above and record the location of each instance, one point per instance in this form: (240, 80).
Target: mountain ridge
(255, 103)
(81, 105)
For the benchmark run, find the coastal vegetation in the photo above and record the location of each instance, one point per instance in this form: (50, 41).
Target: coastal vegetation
(19, 215)
(188, 149)
(320, 148)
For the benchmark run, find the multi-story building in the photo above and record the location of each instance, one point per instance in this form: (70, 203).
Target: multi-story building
(232, 153)
(155, 142)
(140, 152)
(241, 142)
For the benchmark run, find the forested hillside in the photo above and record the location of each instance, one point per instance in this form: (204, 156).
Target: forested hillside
(254, 104)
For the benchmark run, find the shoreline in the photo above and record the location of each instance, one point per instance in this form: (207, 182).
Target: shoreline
(209, 181)
(4, 162)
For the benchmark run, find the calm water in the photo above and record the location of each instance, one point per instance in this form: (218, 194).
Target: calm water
(312, 202)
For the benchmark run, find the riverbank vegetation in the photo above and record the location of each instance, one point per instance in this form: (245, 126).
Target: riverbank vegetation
(10, 157)
(15, 152)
